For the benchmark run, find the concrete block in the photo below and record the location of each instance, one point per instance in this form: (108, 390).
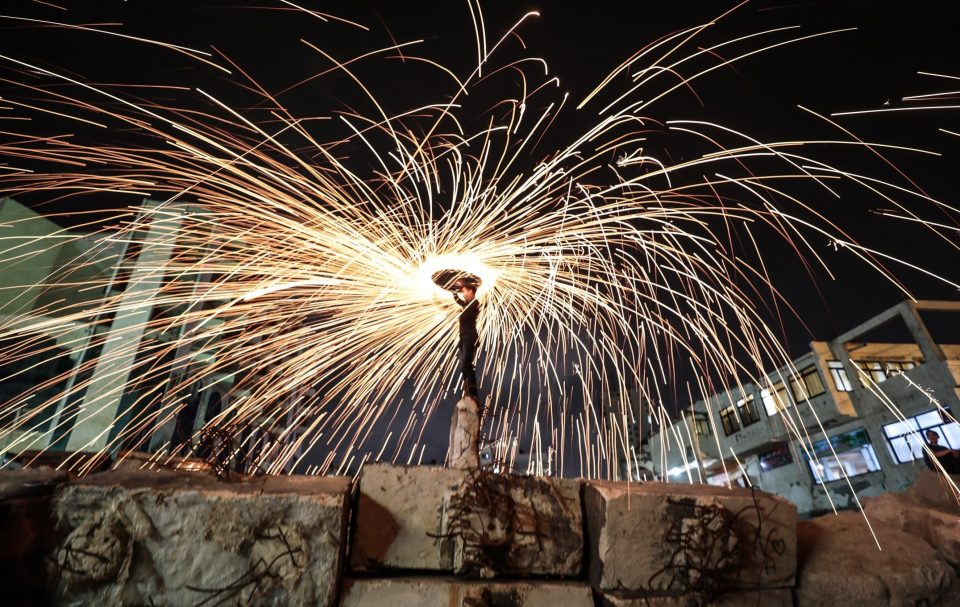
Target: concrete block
(175, 538)
(452, 592)
(468, 522)
(647, 538)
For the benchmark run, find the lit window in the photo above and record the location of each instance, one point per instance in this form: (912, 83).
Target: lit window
(729, 420)
(839, 375)
(872, 369)
(896, 367)
(775, 399)
(775, 458)
(854, 456)
(806, 384)
(907, 437)
(700, 425)
(748, 411)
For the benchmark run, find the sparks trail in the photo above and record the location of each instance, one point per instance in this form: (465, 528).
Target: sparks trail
(286, 260)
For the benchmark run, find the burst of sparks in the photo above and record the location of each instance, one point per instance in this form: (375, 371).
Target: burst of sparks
(294, 267)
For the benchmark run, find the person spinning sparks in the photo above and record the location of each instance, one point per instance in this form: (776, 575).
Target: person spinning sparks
(463, 452)
(469, 338)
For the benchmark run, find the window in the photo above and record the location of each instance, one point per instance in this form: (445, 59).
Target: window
(882, 370)
(775, 458)
(896, 367)
(839, 375)
(905, 437)
(748, 411)
(806, 384)
(775, 399)
(854, 456)
(700, 426)
(872, 369)
(729, 420)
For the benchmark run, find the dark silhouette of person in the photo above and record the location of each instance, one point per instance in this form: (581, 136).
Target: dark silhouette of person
(469, 338)
(948, 458)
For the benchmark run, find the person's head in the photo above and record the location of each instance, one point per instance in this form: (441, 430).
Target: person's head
(467, 290)
(932, 437)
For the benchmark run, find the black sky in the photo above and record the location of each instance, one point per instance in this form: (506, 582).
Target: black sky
(582, 42)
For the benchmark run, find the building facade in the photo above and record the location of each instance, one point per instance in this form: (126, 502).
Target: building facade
(847, 419)
(77, 394)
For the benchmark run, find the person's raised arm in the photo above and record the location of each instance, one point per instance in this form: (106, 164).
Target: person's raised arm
(460, 301)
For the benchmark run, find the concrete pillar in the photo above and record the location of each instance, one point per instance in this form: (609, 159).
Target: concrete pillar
(100, 406)
(932, 353)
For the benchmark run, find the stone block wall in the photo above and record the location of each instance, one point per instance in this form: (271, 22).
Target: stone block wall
(431, 536)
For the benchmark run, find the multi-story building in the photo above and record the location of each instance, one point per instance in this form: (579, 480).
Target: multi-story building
(846, 419)
(76, 395)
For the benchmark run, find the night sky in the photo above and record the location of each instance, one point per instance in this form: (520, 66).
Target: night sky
(582, 42)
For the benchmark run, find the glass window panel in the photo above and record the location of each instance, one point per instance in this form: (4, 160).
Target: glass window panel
(812, 381)
(747, 410)
(892, 368)
(875, 368)
(951, 434)
(806, 384)
(775, 458)
(899, 428)
(816, 468)
(929, 419)
(849, 464)
(769, 404)
(902, 449)
(898, 434)
(782, 399)
(36, 406)
(775, 400)
(798, 389)
(729, 421)
(839, 375)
